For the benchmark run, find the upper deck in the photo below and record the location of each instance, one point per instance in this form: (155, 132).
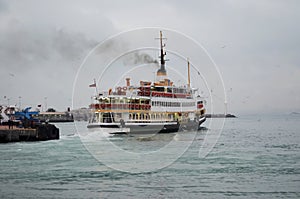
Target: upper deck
(160, 95)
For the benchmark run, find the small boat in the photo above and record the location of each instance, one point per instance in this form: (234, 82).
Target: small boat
(150, 107)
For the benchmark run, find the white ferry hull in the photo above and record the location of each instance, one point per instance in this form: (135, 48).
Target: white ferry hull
(146, 128)
(136, 128)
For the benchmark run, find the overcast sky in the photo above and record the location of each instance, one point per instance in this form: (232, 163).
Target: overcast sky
(255, 44)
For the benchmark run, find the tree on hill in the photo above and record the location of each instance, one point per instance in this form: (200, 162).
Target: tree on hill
(51, 110)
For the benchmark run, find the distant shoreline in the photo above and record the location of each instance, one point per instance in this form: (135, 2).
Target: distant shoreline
(220, 116)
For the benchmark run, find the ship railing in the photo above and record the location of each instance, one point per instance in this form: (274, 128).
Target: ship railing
(125, 106)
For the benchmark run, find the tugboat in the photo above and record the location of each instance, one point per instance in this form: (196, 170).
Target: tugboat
(148, 108)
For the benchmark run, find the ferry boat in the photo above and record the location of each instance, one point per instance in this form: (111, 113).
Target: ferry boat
(150, 107)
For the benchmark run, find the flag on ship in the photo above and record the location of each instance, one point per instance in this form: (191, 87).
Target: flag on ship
(92, 85)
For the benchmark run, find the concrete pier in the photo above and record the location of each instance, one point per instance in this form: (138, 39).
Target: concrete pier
(42, 132)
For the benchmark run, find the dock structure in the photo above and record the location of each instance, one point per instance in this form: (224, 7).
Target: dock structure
(41, 132)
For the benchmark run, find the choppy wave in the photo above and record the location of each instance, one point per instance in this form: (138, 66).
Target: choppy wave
(250, 160)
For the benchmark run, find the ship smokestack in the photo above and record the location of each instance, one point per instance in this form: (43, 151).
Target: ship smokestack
(127, 81)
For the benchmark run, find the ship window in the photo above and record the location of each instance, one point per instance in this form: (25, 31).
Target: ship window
(160, 89)
(117, 116)
(107, 118)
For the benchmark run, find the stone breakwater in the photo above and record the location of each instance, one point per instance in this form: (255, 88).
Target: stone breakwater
(41, 132)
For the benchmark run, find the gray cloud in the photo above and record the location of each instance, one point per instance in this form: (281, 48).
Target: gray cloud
(71, 46)
(39, 58)
(23, 48)
(48, 40)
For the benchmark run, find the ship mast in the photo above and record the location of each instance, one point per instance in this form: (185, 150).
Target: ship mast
(162, 71)
(162, 59)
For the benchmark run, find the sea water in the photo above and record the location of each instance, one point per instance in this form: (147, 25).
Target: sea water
(254, 157)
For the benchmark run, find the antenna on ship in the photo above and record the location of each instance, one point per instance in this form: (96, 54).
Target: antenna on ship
(162, 71)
